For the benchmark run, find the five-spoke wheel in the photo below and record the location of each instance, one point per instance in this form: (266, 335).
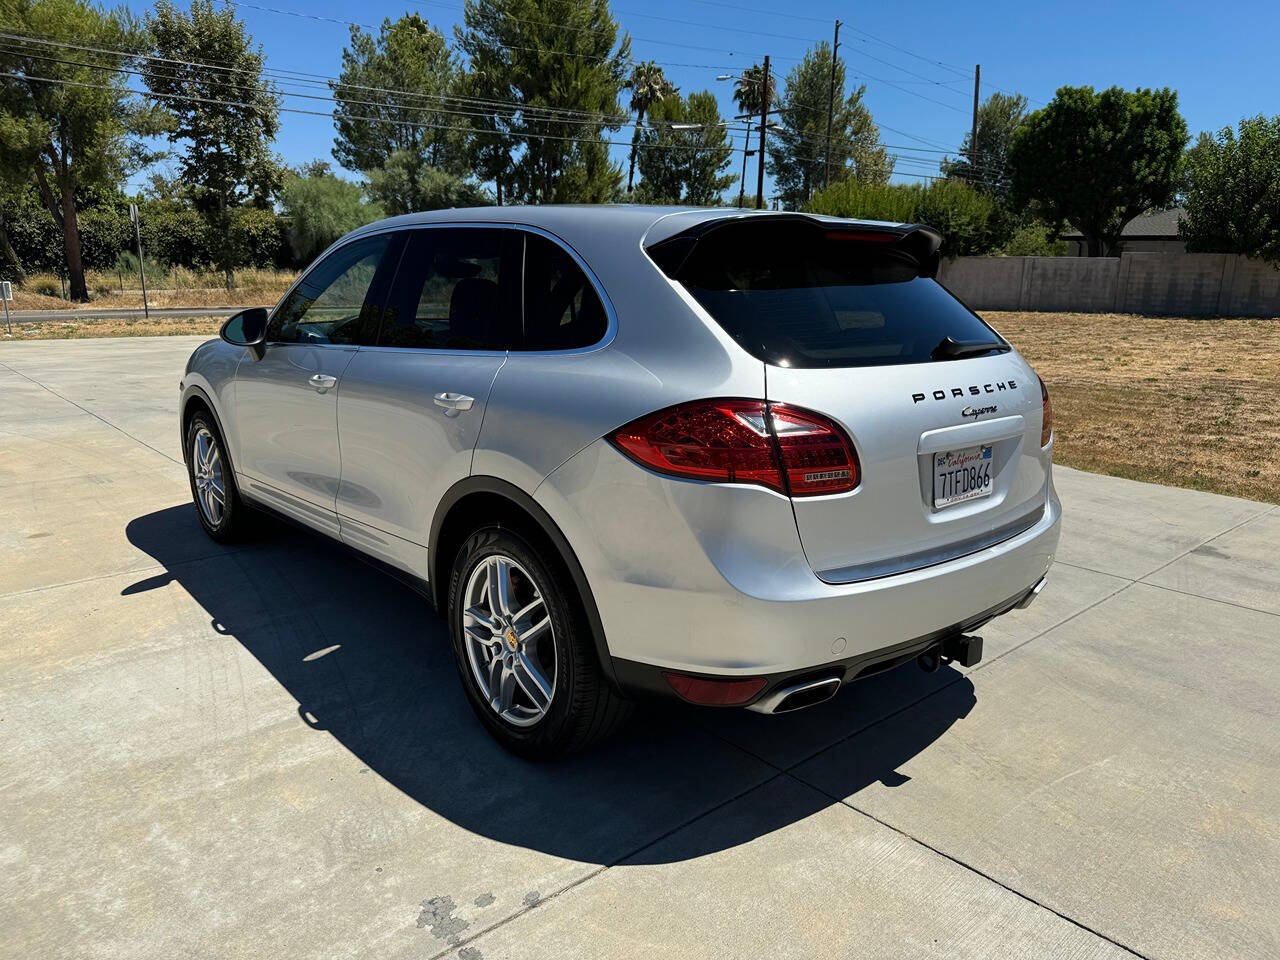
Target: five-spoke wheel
(213, 481)
(525, 649)
(207, 474)
(510, 641)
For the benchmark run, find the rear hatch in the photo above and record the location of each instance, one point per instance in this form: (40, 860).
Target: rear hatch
(943, 414)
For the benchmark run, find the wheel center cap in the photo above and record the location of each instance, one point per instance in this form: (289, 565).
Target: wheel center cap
(512, 640)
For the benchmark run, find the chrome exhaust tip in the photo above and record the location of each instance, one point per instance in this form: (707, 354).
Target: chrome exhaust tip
(1031, 594)
(797, 696)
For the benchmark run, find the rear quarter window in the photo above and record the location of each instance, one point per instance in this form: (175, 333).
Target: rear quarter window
(801, 295)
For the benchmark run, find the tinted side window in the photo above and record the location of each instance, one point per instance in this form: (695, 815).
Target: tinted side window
(562, 310)
(456, 289)
(332, 304)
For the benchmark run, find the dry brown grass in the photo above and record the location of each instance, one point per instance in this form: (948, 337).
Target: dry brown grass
(1193, 402)
(177, 288)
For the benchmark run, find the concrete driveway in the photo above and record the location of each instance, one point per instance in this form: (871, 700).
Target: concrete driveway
(263, 751)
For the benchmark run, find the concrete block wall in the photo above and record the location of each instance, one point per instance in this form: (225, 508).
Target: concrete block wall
(1176, 284)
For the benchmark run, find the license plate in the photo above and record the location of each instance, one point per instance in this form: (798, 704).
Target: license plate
(960, 475)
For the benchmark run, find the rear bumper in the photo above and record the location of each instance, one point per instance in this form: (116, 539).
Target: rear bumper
(647, 680)
(711, 580)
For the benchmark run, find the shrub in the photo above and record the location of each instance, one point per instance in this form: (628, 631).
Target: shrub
(963, 216)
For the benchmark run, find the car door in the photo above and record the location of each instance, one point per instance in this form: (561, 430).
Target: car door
(286, 402)
(411, 407)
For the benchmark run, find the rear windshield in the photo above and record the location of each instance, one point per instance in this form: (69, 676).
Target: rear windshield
(799, 295)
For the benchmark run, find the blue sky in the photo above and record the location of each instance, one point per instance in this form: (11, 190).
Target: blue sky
(916, 59)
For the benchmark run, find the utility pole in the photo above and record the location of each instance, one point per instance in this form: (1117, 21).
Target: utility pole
(831, 107)
(764, 122)
(973, 131)
(742, 183)
(142, 271)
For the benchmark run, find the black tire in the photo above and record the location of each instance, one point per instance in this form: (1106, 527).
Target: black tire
(234, 522)
(584, 707)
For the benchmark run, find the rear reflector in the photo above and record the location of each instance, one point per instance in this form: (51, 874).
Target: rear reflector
(714, 693)
(1046, 421)
(787, 449)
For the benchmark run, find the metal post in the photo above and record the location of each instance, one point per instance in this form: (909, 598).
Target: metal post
(6, 292)
(831, 109)
(142, 270)
(973, 131)
(764, 122)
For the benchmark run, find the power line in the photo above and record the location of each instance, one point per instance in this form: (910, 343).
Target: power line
(330, 83)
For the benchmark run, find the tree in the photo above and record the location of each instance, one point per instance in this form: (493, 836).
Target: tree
(748, 88)
(648, 86)
(1233, 194)
(394, 96)
(1097, 160)
(208, 76)
(562, 67)
(403, 185)
(986, 167)
(320, 208)
(684, 152)
(798, 157)
(65, 121)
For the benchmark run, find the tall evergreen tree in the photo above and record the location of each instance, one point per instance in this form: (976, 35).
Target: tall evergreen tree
(65, 126)
(393, 102)
(798, 157)
(562, 65)
(648, 86)
(987, 167)
(684, 152)
(226, 115)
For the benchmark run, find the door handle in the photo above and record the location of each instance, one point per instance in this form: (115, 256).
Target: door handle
(322, 382)
(454, 403)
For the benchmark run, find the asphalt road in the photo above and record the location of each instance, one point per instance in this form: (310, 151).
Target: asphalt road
(37, 316)
(263, 750)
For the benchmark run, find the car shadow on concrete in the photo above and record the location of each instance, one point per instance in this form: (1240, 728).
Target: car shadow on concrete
(369, 664)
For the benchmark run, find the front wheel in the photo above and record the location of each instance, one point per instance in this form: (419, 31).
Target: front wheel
(524, 650)
(213, 482)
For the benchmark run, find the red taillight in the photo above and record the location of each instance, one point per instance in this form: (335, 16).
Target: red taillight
(714, 693)
(817, 456)
(744, 441)
(1046, 422)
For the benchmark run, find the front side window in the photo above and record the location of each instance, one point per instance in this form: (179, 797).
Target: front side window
(332, 303)
(456, 289)
(562, 310)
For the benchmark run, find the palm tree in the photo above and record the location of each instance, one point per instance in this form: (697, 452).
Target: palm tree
(746, 89)
(648, 85)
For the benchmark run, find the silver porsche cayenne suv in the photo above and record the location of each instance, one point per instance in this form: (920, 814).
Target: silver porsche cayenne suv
(736, 458)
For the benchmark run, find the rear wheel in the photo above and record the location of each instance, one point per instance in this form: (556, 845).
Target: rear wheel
(213, 484)
(523, 649)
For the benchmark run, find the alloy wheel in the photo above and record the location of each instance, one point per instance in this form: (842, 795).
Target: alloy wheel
(510, 641)
(206, 469)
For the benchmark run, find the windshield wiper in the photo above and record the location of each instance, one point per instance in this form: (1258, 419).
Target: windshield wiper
(952, 349)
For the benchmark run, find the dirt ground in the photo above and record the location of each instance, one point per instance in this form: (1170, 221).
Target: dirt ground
(1192, 402)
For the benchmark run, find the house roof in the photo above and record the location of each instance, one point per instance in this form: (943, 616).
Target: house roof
(1162, 225)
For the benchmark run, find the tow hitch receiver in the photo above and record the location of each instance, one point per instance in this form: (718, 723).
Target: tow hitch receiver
(966, 651)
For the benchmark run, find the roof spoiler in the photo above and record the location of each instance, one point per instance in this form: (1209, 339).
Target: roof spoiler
(913, 241)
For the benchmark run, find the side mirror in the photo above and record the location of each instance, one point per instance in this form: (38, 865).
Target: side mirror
(248, 328)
